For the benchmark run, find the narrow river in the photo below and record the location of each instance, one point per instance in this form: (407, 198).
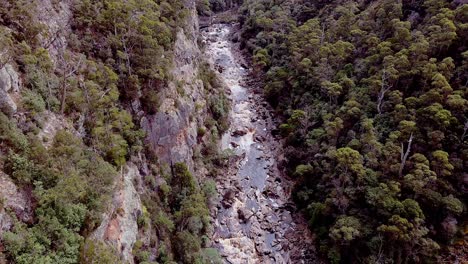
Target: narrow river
(255, 221)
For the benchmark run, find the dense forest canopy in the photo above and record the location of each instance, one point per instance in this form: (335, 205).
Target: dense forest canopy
(375, 98)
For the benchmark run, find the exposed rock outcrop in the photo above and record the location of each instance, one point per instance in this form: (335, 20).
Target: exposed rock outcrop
(55, 16)
(172, 132)
(119, 226)
(52, 125)
(13, 199)
(9, 87)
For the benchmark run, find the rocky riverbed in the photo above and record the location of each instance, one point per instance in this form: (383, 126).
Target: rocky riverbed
(255, 221)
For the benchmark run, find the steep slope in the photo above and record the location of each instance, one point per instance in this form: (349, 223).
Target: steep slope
(106, 107)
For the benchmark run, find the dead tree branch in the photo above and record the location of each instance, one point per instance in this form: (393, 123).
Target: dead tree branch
(404, 155)
(383, 90)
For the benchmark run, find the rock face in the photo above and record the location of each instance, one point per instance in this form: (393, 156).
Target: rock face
(119, 226)
(9, 85)
(14, 199)
(52, 125)
(55, 15)
(172, 132)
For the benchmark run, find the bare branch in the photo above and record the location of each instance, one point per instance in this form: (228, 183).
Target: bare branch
(465, 129)
(104, 93)
(404, 157)
(322, 37)
(383, 90)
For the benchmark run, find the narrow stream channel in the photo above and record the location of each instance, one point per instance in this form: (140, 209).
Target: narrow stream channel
(255, 221)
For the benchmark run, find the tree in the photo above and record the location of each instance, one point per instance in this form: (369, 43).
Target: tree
(420, 175)
(383, 84)
(94, 252)
(346, 229)
(440, 163)
(68, 69)
(383, 90)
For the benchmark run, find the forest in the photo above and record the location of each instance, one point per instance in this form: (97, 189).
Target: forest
(373, 98)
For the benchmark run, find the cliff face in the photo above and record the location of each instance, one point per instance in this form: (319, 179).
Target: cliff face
(18, 200)
(119, 227)
(55, 16)
(9, 88)
(172, 132)
(56, 21)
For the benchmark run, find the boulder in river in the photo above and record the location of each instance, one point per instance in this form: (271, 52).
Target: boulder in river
(239, 133)
(228, 198)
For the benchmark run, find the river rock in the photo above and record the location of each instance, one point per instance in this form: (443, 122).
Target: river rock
(239, 133)
(259, 240)
(228, 198)
(259, 138)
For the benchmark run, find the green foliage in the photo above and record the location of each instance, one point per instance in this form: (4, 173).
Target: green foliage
(209, 189)
(11, 136)
(180, 215)
(186, 246)
(346, 229)
(33, 102)
(218, 103)
(118, 53)
(203, 7)
(355, 81)
(94, 252)
(72, 187)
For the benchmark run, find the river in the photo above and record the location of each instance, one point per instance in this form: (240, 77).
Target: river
(255, 221)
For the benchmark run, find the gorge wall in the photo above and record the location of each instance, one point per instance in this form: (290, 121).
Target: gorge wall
(62, 87)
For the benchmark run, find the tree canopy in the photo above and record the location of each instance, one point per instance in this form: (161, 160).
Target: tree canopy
(380, 151)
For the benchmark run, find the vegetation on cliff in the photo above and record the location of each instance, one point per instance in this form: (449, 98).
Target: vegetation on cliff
(374, 98)
(117, 53)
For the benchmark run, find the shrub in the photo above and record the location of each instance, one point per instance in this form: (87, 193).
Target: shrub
(150, 101)
(11, 135)
(95, 252)
(33, 102)
(186, 247)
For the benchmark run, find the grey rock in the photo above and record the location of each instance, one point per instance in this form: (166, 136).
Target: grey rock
(239, 133)
(119, 226)
(172, 131)
(17, 200)
(9, 84)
